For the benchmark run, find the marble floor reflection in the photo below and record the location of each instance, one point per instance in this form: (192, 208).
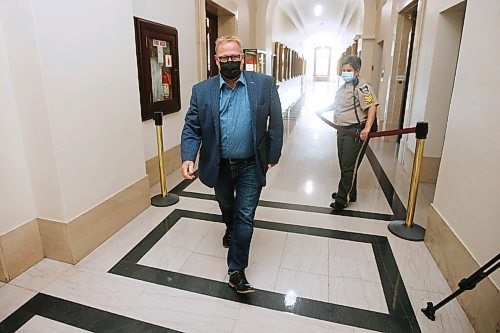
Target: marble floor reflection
(314, 270)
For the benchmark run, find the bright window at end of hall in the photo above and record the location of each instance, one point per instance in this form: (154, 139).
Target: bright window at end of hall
(322, 57)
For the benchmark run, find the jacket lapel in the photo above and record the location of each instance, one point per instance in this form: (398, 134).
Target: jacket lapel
(252, 99)
(215, 106)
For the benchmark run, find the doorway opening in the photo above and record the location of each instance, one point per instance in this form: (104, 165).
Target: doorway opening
(322, 63)
(411, 18)
(212, 34)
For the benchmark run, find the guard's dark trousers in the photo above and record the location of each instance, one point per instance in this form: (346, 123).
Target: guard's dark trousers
(350, 153)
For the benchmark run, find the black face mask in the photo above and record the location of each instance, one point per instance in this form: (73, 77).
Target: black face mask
(230, 70)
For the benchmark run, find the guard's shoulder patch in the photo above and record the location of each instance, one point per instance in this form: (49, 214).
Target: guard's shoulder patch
(368, 98)
(364, 89)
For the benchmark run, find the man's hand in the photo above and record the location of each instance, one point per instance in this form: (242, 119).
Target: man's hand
(269, 166)
(187, 170)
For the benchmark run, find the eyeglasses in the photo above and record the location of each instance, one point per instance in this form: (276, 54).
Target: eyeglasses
(234, 57)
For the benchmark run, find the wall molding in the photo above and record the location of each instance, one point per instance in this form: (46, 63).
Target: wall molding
(429, 168)
(172, 159)
(20, 249)
(456, 263)
(70, 242)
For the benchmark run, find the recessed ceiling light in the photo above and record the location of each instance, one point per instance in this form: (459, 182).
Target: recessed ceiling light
(318, 9)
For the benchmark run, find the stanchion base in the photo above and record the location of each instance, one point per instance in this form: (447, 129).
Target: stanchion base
(415, 233)
(161, 201)
(429, 311)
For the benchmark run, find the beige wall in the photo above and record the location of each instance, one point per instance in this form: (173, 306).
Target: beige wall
(246, 22)
(468, 187)
(366, 43)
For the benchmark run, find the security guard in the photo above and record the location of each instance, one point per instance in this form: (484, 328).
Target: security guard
(355, 108)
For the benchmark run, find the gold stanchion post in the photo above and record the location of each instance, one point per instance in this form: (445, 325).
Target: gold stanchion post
(407, 229)
(164, 199)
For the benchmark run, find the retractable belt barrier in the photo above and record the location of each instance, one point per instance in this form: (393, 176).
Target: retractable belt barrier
(354, 134)
(404, 229)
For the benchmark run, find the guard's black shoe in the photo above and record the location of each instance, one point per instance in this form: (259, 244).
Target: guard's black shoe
(238, 281)
(226, 239)
(337, 206)
(351, 199)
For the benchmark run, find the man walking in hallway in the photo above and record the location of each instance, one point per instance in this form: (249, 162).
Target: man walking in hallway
(236, 119)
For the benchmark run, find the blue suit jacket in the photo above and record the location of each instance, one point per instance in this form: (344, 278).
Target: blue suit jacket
(202, 124)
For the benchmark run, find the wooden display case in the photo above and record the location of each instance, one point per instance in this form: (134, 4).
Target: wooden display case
(255, 60)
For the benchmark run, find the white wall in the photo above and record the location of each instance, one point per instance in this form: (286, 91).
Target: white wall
(18, 22)
(92, 96)
(284, 31)
(16, 197)
(468, 187)
(386, 32)
(183, 19)
(74, 77)
(434, 74)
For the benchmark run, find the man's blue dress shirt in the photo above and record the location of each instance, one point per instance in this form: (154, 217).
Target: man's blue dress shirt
(235, 120)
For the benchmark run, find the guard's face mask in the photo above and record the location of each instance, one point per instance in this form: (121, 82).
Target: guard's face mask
(348, 76)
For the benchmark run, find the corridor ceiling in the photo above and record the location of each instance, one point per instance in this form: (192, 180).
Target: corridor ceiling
(339, 22)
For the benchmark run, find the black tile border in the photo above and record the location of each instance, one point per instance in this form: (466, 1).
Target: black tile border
(76, 315)
(401, 317)
(398, 209)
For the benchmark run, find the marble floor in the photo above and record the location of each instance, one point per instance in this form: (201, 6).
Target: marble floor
(314, 270)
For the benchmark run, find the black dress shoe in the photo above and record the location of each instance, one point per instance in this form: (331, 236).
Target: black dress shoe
(226, 239)
(351, 199)
(238, 281)
(337, 206)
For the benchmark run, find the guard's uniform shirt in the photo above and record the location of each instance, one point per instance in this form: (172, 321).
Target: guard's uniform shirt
(351, 150)
(344, 102)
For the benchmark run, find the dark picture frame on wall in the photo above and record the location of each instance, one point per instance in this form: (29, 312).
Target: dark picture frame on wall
(158, 67)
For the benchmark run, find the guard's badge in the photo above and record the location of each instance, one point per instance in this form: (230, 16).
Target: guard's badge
(364, 89)
(368, 99)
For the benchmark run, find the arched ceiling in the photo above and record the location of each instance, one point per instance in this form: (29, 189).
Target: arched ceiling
(339, 22)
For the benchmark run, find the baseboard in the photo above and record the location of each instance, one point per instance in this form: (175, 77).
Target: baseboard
(429, 169)
(172, 160)
(456, 263)
(71, 242)
(20, 249)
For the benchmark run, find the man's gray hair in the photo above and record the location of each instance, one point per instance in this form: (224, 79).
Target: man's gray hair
(226, 39)
(354, 61)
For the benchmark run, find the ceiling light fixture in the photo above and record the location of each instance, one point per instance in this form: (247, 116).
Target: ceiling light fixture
(318, 9)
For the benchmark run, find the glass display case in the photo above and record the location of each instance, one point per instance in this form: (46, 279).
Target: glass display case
(255, 60)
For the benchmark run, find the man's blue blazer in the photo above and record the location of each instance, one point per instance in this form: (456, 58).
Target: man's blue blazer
(202, 125)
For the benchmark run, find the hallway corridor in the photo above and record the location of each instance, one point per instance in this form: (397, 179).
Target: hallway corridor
(314, 270)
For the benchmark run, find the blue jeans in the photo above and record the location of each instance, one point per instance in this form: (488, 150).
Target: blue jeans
(237, 191)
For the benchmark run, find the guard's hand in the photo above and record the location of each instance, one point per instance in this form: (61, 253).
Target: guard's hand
(269, 166)
(364, 134)
(187, 170)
